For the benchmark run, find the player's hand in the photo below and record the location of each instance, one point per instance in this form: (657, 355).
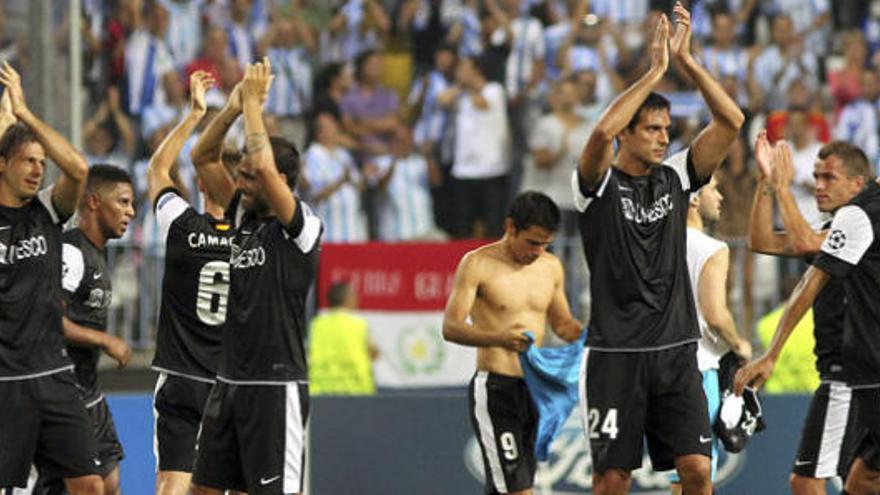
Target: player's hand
(783, 165)
(681, 40)
(764, 155)
(6, 106)
(118, 349)
(233, 103)
(515, 339)
(9, 77)
(743, 349)
(754, 374)
(257, 81)
(660, 46)
(199, 84)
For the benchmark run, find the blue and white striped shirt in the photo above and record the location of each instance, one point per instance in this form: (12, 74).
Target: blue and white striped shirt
(343, 217)
(803, 14)
(432, 120)
(146, 60)
(405, 208)
(733, 61)
(184, 35)
(621, 11)
(291, 91)
(526, 47)
(770, 62)
(857, 124)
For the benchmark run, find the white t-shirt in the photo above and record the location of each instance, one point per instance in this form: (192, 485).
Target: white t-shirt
(700, 248)
(482, 139)
(804, 185)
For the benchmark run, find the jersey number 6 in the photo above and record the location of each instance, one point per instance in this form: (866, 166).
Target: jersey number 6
(213, 293)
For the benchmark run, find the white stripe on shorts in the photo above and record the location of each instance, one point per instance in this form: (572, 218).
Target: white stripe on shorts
(294, 440)
(487, 431)
(836, 416)
(582, 395)
(160, 382)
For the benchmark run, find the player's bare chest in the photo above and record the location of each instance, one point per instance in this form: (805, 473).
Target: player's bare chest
(518, 291)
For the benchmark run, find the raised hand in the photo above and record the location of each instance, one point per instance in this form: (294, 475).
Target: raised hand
(783, 165)
(199, 84)
(6, 106)
(681, 40)
(9, 77)
(764, 155)
(257, 81)
(660, 46)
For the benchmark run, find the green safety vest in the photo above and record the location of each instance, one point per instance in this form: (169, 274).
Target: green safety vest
(339, 359)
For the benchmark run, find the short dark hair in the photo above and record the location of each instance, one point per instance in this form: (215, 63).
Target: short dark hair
(102, 174)
(336, 294)
(855, 162)
(654, 101)
(286, 159)
(534, 208)
(15, 136)
(360, 61)
(482, 64)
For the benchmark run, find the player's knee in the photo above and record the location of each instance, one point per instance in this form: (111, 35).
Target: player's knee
(801, 485)
(85, 485)
(694, 471)
(611, 482)
(203, 490)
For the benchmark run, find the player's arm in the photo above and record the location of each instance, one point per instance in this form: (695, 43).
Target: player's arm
(458, 308)
(599, 150)
(255, 85)
(115, 347)
(711, 145)
(762, 237)
(712, 290)
(757, 372)
(159, 176)
(207, 152)
(7, 118)
(803, 239)
(559, 313)
(74, 170)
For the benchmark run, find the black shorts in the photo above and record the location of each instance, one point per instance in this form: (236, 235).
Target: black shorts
(867, 404)
(45, 422)
(653, 395)
(109, 449)
(830, 434)
(178, 403)
(253, 438)
(505, 422)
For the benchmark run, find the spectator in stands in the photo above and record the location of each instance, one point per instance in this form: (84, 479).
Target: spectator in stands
(403, 179)
(428, 115)
(147, 59)
(184, 36)
(556, 34)
(369, 110)
(845, 83)
(858, 123)
(629, 17)
(332, 84)
(589, 105)
(160, 113)
(109, 135)
(804, 149)
(725, 57)
(781, 63)
(800, 94)
(427, 22)
(357, 26)
(481, 160)
(244, 33)
(590, 48)
(214, 55)
(290, 97)
(465, 31)
(340, 348)
(811, 21)
(334, 184)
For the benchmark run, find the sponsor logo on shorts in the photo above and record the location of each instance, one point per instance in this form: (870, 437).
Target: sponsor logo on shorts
(705, 439)
(569, 470)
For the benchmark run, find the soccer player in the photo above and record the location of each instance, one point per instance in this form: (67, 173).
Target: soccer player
(849, 252)
(841, 170)
(104, 213)
(253, 429)
(708, 261)
(44, 420)
(642, 378)
(501, 290)
(195, 295)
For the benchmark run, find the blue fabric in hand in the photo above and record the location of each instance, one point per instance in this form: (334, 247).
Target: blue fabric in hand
(551, 375)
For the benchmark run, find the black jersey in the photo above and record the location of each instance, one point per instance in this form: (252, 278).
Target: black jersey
(852, 251)
(87, 292)
(272, 266)
(31, 338)
(195, 288)
(634, 235)
(829, 311)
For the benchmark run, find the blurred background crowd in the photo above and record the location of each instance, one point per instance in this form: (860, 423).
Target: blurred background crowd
(419, 119)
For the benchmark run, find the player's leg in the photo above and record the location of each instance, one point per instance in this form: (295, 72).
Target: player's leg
(110, 452)
(271, 423)
(613, 401)
(177, 411)
(218, 458)
(19, 433)
(712, 390)
(864, 475)
(677, 425)
(111, 482)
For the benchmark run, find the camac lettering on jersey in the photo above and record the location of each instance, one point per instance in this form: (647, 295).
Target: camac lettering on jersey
(24, 249)
(639, 214)
(199, 240)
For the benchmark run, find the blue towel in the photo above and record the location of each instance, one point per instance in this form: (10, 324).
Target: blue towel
(551, 376)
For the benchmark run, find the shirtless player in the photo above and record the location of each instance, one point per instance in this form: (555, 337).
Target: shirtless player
(501, 290)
